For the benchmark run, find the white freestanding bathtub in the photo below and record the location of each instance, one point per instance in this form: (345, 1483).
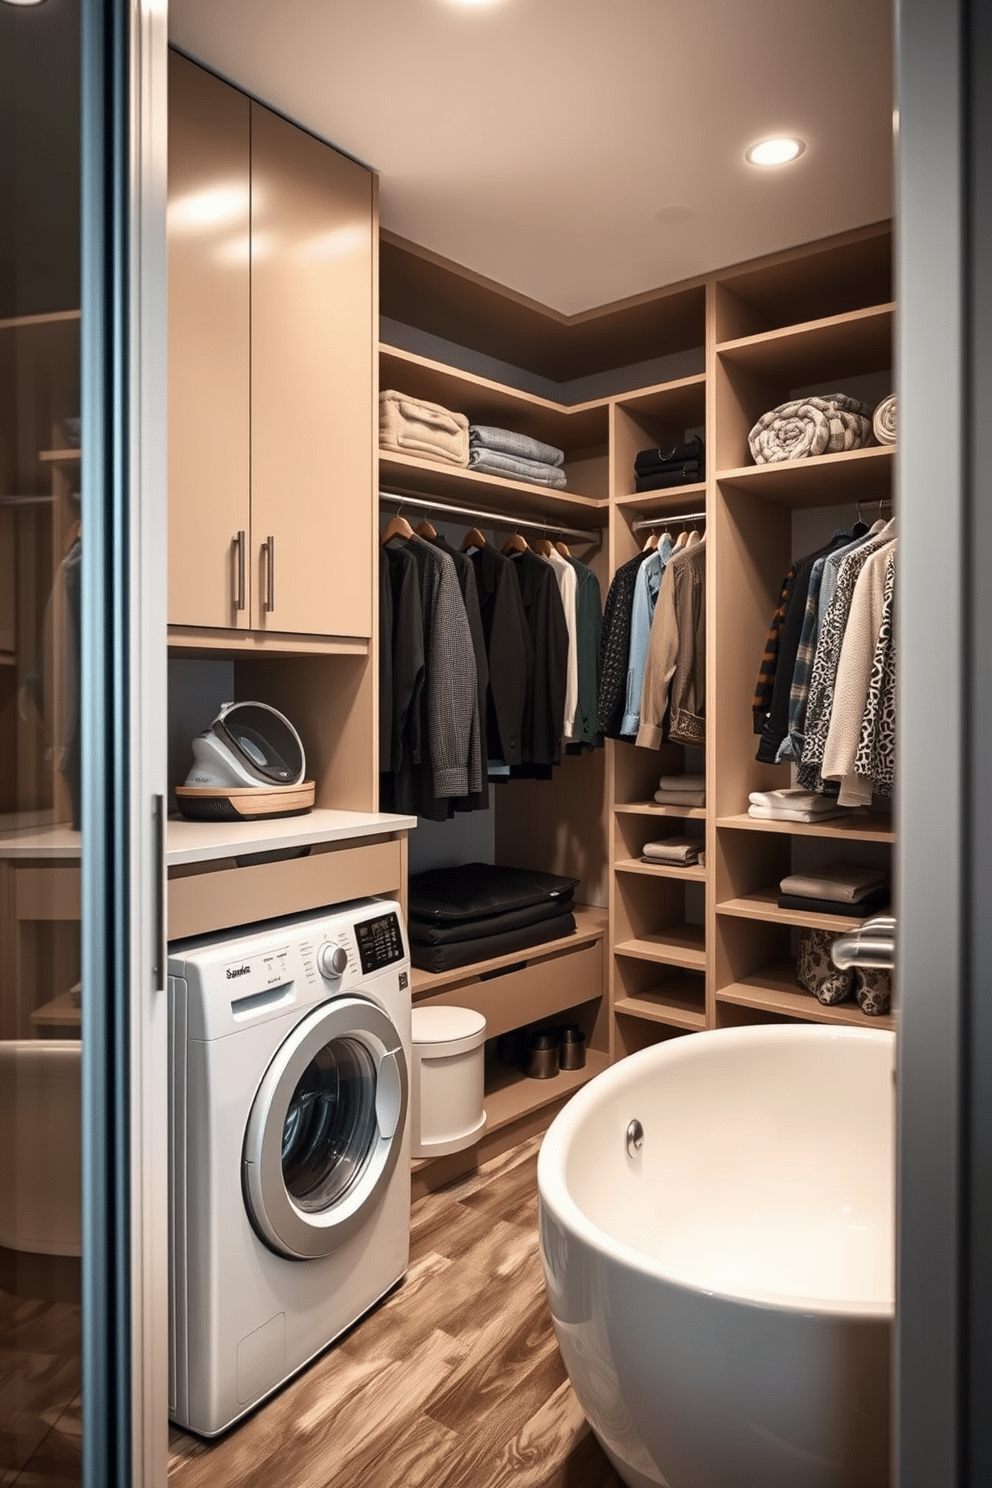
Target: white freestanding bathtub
(722, 1293)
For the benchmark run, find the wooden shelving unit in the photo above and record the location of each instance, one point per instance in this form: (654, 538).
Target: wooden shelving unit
(510, 1095)
(408, 474)
(869, 827)
(763, 906)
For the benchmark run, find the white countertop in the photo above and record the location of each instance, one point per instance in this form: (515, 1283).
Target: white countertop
(199, 842)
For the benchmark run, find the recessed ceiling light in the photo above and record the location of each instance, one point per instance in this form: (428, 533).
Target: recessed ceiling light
(473, 2)
(22, 2)
(775, 151)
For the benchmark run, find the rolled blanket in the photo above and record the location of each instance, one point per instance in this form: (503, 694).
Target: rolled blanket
(682, 782)
(410, 426)
(884, 420)
(810, 426)
(521, 446)
(492, 462)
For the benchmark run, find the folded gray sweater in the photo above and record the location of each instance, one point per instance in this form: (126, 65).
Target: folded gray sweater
(493, 462)
(521, 446)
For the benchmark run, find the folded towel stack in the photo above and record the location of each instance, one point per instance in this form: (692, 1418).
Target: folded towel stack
(411, 426)
(681, 790)
(811, 426)
(845, 889)
(515, 456)
(657, 469)
(677, 851)
(794, 805)
(884, 420)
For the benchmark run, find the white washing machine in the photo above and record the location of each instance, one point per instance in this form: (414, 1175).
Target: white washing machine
(289, 1147)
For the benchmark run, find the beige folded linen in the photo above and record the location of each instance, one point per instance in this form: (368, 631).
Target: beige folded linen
(682, 782)
(673, 850)
(411, 426)
(884, 420)
(763, 813)
(680, 798)
(846, 882)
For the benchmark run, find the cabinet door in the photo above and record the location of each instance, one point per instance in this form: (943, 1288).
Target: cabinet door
(313, 335)
(209, 359)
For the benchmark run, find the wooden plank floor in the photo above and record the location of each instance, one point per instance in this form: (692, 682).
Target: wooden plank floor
(40, 1370)
(454, 1381)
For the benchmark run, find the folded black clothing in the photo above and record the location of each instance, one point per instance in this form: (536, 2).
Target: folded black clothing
(447, 932)
(649, 459)
(463, 952)
(687, 476)
(666, 465)
(859, 910)
(474, 890)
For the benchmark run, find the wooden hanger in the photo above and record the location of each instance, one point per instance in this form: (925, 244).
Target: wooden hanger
(541, 546)
(651, 544)
(426, 530)
(396, 527)
(473, 539)
(562, 549)
(693, 539)
(681, 541)
(515, 544)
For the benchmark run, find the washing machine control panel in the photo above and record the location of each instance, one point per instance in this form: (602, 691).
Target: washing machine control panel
(380, 942)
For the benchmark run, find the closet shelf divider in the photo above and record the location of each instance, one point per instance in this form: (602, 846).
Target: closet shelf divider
(818, 350)
(654, 808)
(764, 906)
(449, 482)
(871, 827)
(691, 872)
(825, 480)
(774, 989)
(664, 1007)
(676, 945)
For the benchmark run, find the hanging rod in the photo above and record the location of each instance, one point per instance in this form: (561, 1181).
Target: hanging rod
(499, 519)
(667, 517)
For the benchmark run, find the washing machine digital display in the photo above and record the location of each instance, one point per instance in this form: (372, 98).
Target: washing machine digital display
(379, 942)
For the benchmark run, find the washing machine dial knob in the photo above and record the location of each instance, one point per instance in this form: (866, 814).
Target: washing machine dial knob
(332, 961)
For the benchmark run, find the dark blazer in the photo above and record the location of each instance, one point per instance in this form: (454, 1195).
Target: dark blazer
(549, 634)
(510, 652)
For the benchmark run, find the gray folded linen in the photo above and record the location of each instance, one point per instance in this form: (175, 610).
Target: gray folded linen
(682, 783)
(847, 882)
(884, 420)
(492, 462)
(808, 427)
(521, 446)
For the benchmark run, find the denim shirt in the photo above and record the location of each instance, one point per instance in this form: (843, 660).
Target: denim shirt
(646, 591)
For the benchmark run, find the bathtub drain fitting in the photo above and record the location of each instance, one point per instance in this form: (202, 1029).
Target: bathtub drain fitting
(635, 1137)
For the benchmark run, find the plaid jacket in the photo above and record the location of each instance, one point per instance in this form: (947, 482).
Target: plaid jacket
(765, 686)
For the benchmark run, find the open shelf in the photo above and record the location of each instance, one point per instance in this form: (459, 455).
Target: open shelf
(652, 808)
(764, 906)
(694, 872)
(510, 1094)
(405, 474)
(774, 989)
(61, 456)
(674, 499)
(826, 480)
(676, 945)
(677, 1005)
(872, 826)
(484, 401)
(680, 404)
(590, 926)
(818, 350)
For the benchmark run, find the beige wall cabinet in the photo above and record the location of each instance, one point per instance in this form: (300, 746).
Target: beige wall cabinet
(271, 335)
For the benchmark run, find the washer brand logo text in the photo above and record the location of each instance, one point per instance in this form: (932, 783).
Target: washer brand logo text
(236, 971)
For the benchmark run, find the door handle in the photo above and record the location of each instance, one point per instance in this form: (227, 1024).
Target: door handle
(159, 953)
(239, 579)
(270, 587)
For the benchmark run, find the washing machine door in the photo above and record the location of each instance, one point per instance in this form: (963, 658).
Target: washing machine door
(325, 1129)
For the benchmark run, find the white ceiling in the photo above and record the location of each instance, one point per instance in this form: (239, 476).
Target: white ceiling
(580, 151)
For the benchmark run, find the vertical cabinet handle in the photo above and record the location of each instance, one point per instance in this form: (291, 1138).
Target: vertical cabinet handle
(159, 953)
(239, 592)
(270, 590)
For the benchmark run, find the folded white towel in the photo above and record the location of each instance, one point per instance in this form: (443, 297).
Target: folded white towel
(884, 420)
(682, 782)
(763, 814)
(793, 799)
(680, 798)
(411, 426)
